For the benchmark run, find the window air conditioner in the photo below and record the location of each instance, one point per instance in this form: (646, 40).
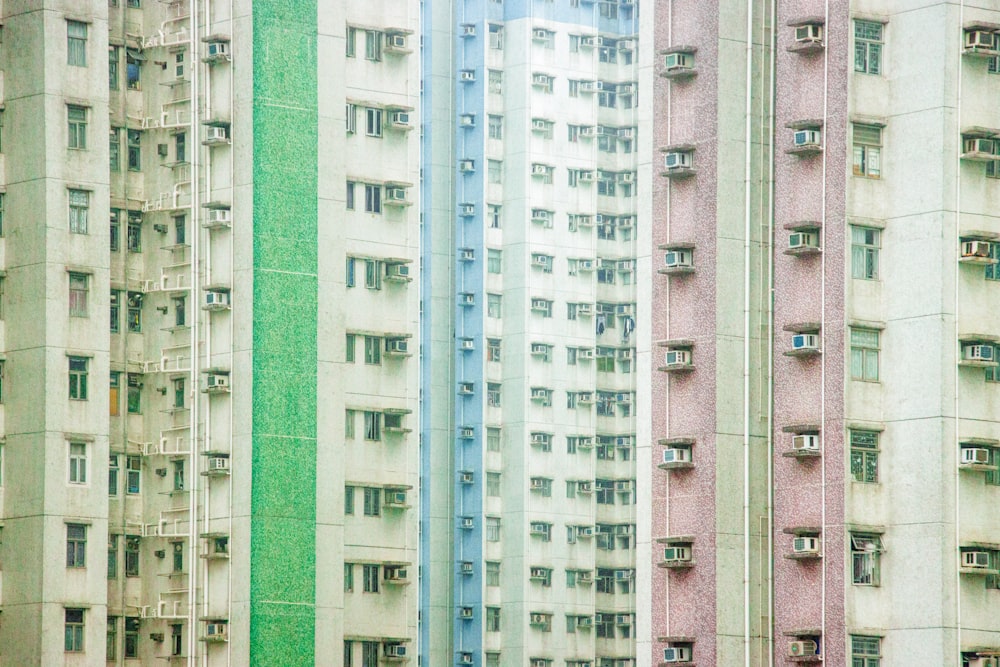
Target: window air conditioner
(626, 177)
(678, 358)
(807, 138)
(584, 487)
(468, 522)
(465, 658)
(540, 79)
(676, 259)
(626, 44)
(584, 265)
(216, 299)
(976, 559)
(397, 270)
(396, 346)
(215, 133)
(537, 483)
(584, 621)
(588, 87)
(538, 619)
(539, 529)
(540, 260)
(626, 88)
(584, 353)
(218, 464)
(809, 34)
(623, 486)
(805, 342)
(216, 630)
(218, 50)
(467, 432)
(976, 248)
(467, 567)
(624, 309)
(468, 344)
(538, 573)
(676, 455)
(623, 619)
(468, 119)
(979, 39)
(539, 393)
(466, 388)
(584, 308)
(676, 61)
(395, 194)
(808, 443)
(977, 352)
(467, 75)
(219, 216)
(400, 118)
(539, 169)
(539, 124)
(586, 176)
(585, 576)
(677, 160)
(217, 381)
(803, 240)
(539, 438)
(467, 165)
(467, 254)
(588, 130)
(539, 304)
(540, 34)
(395, 498)
(805, 545)
(801, 648)
(395, 651)
(468, 30)
(975, 456)
(468, 299)
(540, 215)
(623, 575)
(584, 531)
(539, 349)
(539, 662)
(677, 654)
(585, 398)
(465, 612)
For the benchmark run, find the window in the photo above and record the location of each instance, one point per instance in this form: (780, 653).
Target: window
(493, 619)
(349, 424)
(352, 47)
(373, 274)
(373, 501)
(134, 140)
(492, 573)
(76, 119)
(493, 659)
(492, 439)
(131, 555)
(178, 555)
(574, 91)
(373, 350)
(492, 349)
(349, 276)
(373, 198)
(494, 305)
(178, 475)
(369, 654)
(2, 201)
(180, 311)
(370, 573)
(496, 37)
(865, 553)
(373, 122)
(112, 556)
(79, 293)
(604, 625)
(114, 150)
(349, 348)
(111, 652)
(76, 545)
(606, 99)
(494, 171)
(134, 313)
(115, 229)
(134, 231)
(133, 474)
(1, 387)
(348, 580)
(79, 205)
(495, 124)
(373, 45)
(493, 484)
(176, 639)
(865, 651)
(74, 631)
(77, 463)
(493, 260)
(495, 84)
(865, 243)
(76, 44)
(493, 217)
(180, 146)
(113, 470)
(608, 10)
(864, 456)
(605, 491)
(493, 394)
(78, 378)
(492, 529)
(864, 354)
(131, 636)
(350, 196)
(867, 150)
(114, 399)
(373, 425)
(868, 47)
(352, 118)
(133, 63)
(134, 394)
(114, 57)
(348, 499)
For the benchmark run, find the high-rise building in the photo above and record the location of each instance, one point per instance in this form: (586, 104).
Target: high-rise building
(824, 427)
(250, 466)
(528, 486)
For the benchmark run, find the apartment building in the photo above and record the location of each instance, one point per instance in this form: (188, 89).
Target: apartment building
(530, 238)
(825, 421)
(249, 466)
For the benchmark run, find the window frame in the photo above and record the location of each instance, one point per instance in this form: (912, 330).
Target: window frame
(862, 354)
(867, 47)
(78, 204)
(864, 455)
(76, 545)
(866, 551)
(76, 44)
(79, 370)
(74, 623)
(866, 244)
(76, 126)
(866, 151)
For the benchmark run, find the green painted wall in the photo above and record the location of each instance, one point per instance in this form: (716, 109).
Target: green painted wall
(285, 220)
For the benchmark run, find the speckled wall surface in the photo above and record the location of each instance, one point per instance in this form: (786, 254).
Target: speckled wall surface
(283, 497)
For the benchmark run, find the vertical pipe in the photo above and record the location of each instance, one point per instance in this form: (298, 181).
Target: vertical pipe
(958, 404)
(746, 336)
(770, 343)
(822, 317)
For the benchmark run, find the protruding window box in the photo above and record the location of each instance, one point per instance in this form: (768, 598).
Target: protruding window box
(807, 137)
(217, 215)
(395, 497)
(807, 543)
(216, 134)
(394, 650)
(216, 49)
(396, 574)
(217, 297)
(805, 441)
(978, 454)
(679, 651)
(678, 161)
(396, 194)
(805, 339)
(678, 357)
(808, 34)
(677, 455)
(678, 259)
(978, 558)
(804, 238)
(679, 63)
(677, 552)
(977, 247)
(216, 381)
(804, 645)
(216, 464)
(979, 39)
(217, 546)
(397, 40)
(980, 144)
(978, 350)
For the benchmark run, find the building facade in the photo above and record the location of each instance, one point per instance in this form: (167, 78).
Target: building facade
(529, 381)
(250, 466)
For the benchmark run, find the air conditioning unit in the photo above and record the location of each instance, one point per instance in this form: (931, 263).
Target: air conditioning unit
(626, 44)
(400, 118)
(624, 309)
(587, 176)
(468, 119)
(805, 443)
(466, 165)
(539, 349)
(585, 353)
(217, 381)
(216, 630)
(214, 133)
(677, 259)
(216, 299)
(585, 577)
(537, 483)
(397, 271)
(467, 75)
(979, 39)
(539, 619)
(585, 487)
(467, 344)
(807, 138)
(588, 87)
(980, 145)
(677, 654)
(539, 528)
(540, 438)
(218, 464)
(220, 216)
(395, 651)
(468, 30)
(161, 229)
(809, 34)
(396, 346)
(801, 648)
(678, 358)
(539, 393)
(538, 573)
(806, 545)
(677, 160)
(539, 170)
(539, 124)
(975, 456)
(539, 304)
(623, 575)
(677, 455)
(396, 41)
(395, 497)
(468, 523)
(467, 432)
(541, 215)
(625, 355)
(805, 342)
(218, 49)
(585, 308)
(540, 34)
(676, 61)
(803, 240)
(466, 388)
(588, 131)
(626, 177)
(976, 248)
(467, 254)
(626, 88)
(467, 299)
(541, 79)
(977, 352)
(395, 194)
(584, 265)
(584, 531)
(540, 662)
(585, 398)
(465, 612)
(677, 554)
(976, 559)
(467, 567)
(623, 486)
(465, 659)
(540, 260)
(623, 619)
(583, 622)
